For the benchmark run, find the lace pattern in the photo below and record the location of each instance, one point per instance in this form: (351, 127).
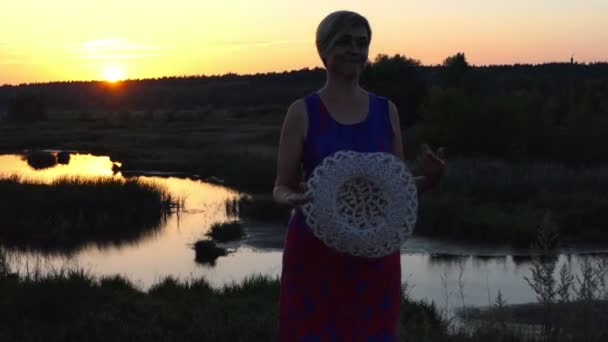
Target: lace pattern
(363, 204)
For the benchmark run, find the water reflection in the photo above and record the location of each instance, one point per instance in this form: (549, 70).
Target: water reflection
(134, 209)
(437, 282)
(78, 165)
(75, 245)
(429, 265)
(444, 258)
(522, 259)
(203, 205)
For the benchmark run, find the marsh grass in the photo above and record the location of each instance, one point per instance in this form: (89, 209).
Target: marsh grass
(73, 211)
(54, 304)
(70, 302)
(481, 199)
(500, 201)
(258, 207)
(207, 251)
(41, 159)
(570, 307)
(179, 141)
(226, 231)
(74, 304)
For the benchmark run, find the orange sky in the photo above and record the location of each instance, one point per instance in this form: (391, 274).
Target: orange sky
(57, 40)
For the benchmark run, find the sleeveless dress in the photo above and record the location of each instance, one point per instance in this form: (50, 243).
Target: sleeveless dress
(326, 295)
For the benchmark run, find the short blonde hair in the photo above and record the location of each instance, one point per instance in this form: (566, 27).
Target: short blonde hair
(333, 25)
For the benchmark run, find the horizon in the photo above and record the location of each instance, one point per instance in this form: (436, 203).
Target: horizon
(67, 40)
(282, 71)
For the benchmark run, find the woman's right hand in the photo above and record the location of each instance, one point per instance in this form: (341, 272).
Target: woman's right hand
(295, 199)
(287, 196)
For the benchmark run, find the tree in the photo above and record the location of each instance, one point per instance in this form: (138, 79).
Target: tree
(27, 106)
(454, 69)
(400, 79)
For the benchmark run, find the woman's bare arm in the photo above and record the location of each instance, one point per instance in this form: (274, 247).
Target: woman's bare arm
(421, 181)
(289, 161)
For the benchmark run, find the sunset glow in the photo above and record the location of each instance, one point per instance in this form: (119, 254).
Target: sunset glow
(79, 40)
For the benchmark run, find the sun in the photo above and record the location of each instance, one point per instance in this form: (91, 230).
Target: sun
(113, 73)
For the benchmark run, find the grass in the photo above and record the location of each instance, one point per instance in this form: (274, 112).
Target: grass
(226, 231)
(258, 207)
(71, 212)
(480, 199)
(207, 251)
(70, 303)
(493, 201)
(63, 157)
(570, 307)
(74, 304)
(246, 169)
(219, 143)
(41, 159)
(499, 201)
(461, 218)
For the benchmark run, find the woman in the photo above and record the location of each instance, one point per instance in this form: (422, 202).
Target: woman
(327, 295)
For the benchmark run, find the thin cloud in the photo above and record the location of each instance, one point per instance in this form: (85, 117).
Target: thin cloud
(113, 48)
(17, 62)
(14, 55)
(267, 43)
(120, 55)
(11, 50)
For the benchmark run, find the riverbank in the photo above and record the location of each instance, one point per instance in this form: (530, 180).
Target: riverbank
(480, 199)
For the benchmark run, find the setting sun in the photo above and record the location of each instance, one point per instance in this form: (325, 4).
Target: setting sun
(113, 73)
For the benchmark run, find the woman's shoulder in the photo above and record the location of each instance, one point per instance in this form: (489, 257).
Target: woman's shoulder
(384, 100)
(379, 97)
(297, 116)
(297, 109)
(389, 106)
(300, 107)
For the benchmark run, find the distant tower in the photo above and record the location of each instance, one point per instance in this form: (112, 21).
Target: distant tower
(572, 59)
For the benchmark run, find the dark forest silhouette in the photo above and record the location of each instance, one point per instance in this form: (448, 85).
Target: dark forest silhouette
(553, 111)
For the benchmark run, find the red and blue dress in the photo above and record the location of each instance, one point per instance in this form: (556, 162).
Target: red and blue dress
(326, 295)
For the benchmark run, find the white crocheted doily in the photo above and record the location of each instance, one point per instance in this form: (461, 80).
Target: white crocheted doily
(363, 204)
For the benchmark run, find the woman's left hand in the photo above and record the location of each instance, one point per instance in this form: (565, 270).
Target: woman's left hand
(431, 164)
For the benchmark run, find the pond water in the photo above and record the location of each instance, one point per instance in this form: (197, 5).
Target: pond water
(433, 268)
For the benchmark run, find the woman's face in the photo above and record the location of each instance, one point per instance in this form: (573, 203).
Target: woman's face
(349, 53)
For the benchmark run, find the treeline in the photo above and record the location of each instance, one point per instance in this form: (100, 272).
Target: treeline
(397, 77)
(552, 111)
(171, 93)
(555, 111)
